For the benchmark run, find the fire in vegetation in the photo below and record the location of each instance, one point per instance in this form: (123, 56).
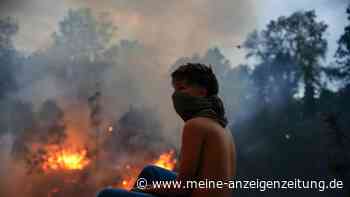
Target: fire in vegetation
(77, 151)
(65, 159)
(166, 160)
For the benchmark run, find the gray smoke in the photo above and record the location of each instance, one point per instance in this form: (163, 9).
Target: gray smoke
(165, 30)
(171, 29)
(133, 78)
(175, 29)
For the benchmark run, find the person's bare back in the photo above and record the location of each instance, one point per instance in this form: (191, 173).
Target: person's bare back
(216, 159)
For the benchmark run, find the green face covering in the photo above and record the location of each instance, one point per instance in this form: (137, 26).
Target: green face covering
(188, 107)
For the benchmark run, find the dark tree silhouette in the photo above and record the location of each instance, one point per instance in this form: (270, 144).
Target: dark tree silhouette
(9, 59)
(343, 51)
(290, 49)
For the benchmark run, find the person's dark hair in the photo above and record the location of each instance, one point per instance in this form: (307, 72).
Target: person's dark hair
(197, 74)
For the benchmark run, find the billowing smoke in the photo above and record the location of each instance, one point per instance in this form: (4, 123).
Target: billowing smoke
(167, 30)
(95, 76)
(177, 28)
(171, 28)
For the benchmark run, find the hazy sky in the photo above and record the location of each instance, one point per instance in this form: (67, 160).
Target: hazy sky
(224, 23)
(333, 12)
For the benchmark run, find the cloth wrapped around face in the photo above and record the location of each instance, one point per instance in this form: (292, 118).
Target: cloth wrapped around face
(189, 107)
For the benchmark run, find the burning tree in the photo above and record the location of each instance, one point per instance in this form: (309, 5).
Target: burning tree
(55, 147)
(57, 167)
(65, 159)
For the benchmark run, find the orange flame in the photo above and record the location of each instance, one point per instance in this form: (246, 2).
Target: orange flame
(166, 160)
(65, 159)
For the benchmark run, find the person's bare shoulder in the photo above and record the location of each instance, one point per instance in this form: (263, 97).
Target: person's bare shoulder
(202, 125)
(198, 122)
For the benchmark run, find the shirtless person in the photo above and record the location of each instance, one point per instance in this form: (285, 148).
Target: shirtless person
(207, 151)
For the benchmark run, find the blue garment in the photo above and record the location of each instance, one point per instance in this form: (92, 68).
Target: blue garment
(150, 173)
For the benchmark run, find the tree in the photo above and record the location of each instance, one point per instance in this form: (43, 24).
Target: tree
(290, 49)
(219, 62)
(343, 51)
(83, 35)
(238, 91)
(77, 57)
(212, 57)
(9, 58)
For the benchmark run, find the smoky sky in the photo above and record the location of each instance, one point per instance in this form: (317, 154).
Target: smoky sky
(171, 29)
(6, 6)
(175, 29)
(333, 13)
(166, 29)
(37, 20)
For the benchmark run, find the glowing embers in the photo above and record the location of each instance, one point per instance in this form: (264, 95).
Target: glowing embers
(58, 158)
